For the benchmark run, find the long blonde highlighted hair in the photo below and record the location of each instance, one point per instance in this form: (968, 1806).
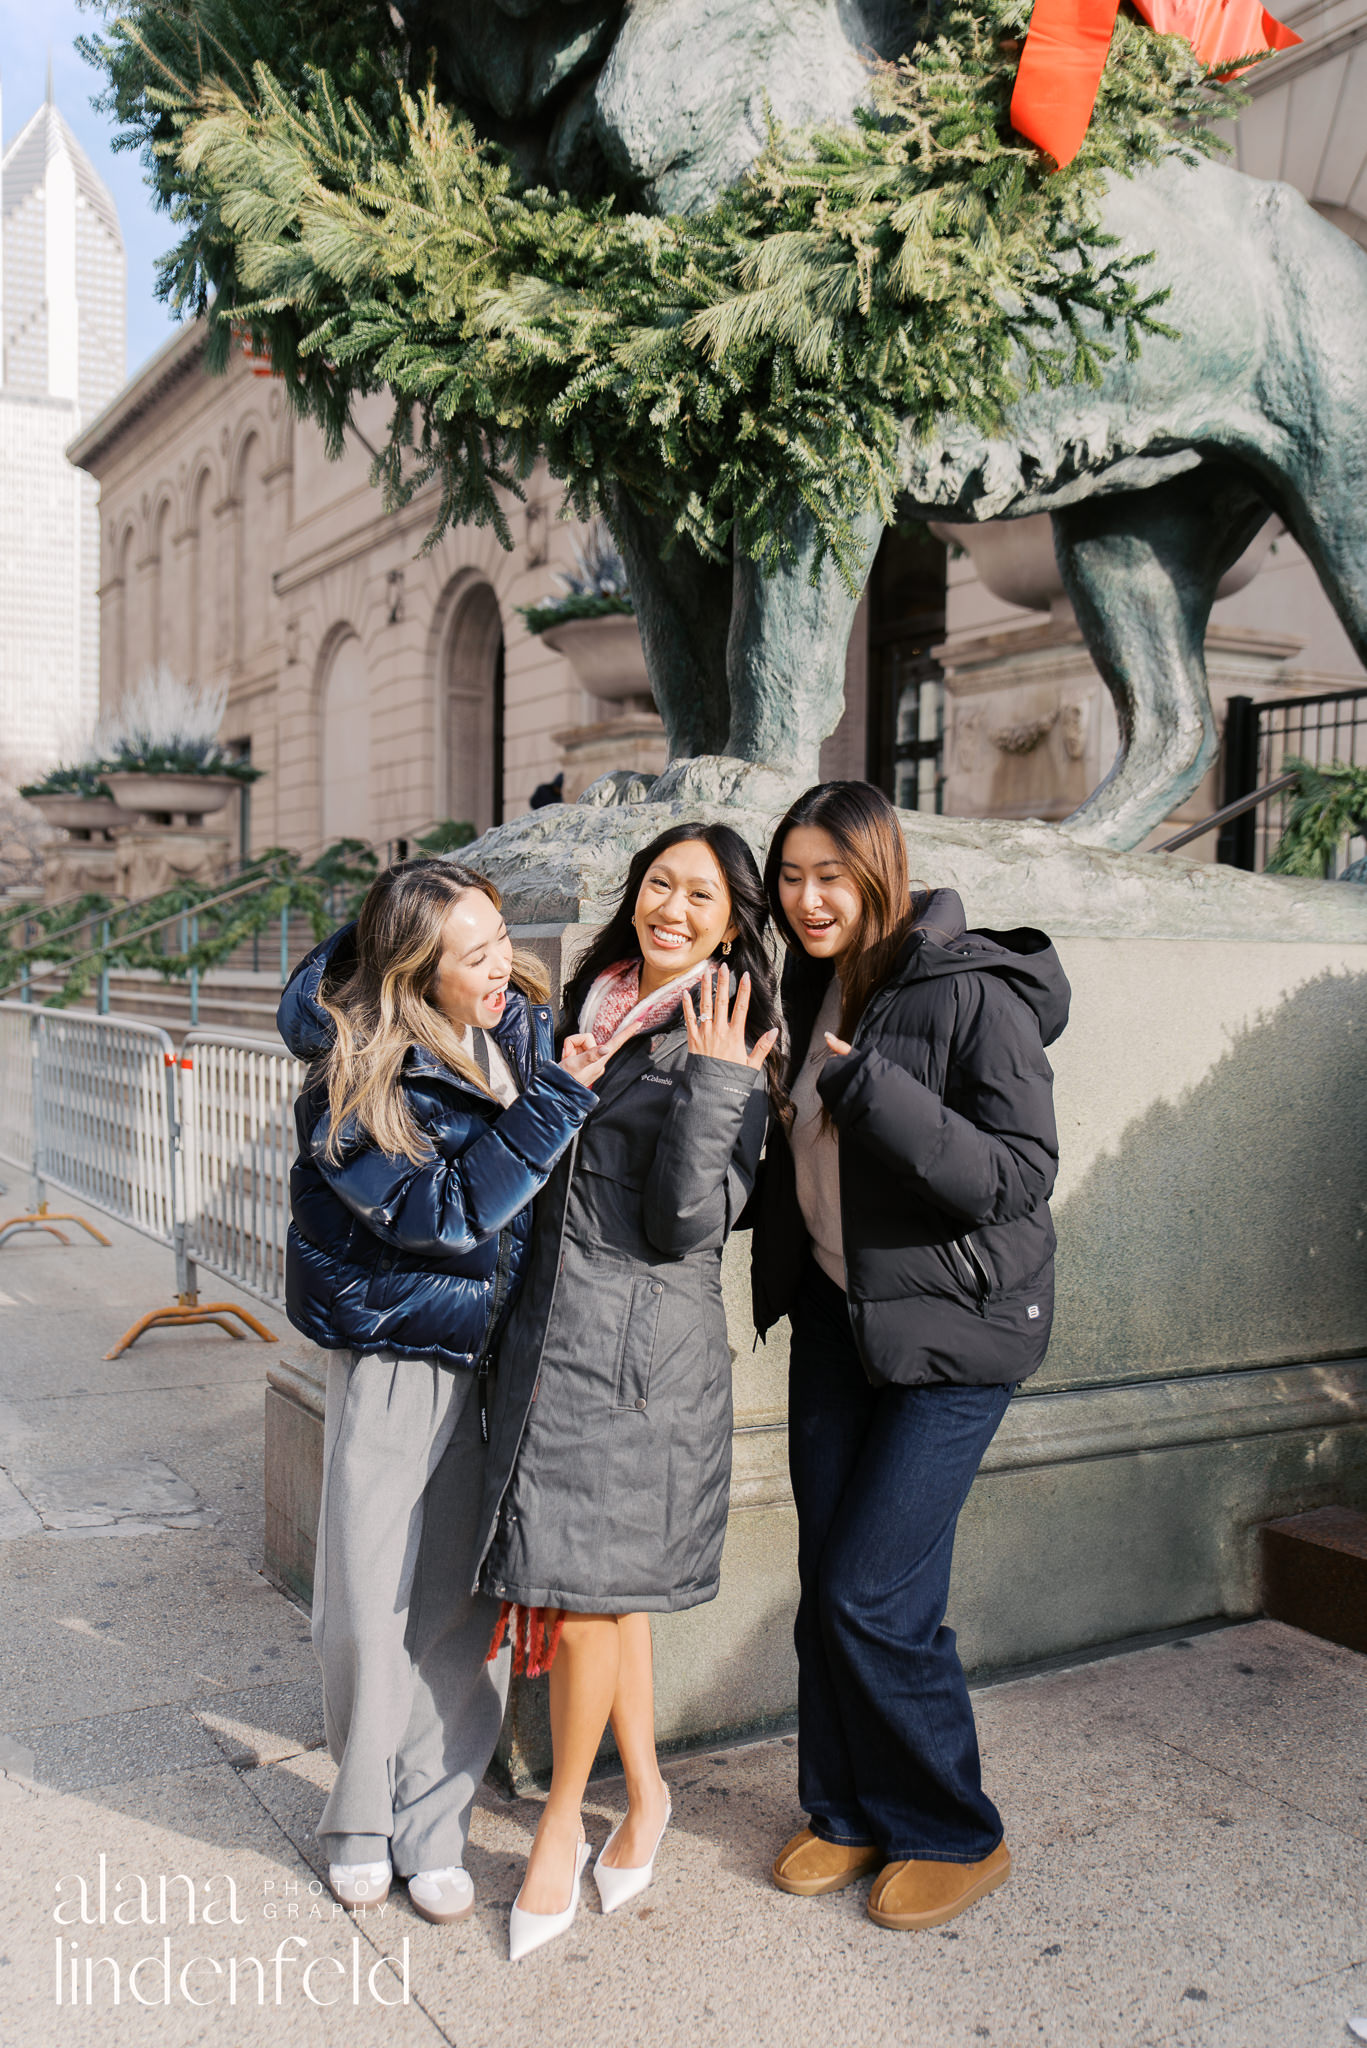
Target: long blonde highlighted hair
(387, 1003)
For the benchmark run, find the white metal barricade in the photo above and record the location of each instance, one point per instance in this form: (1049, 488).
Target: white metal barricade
(23, 1031)
(237, 1139)
(105, 1098)
(16, 1085)
(100, 1119)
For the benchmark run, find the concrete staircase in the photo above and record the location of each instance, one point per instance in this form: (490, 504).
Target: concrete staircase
(240, 997)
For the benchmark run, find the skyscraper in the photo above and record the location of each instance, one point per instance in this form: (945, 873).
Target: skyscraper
(61, 360)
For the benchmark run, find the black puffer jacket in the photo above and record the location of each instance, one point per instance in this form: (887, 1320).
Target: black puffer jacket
(948, 1153)
(423, 1260)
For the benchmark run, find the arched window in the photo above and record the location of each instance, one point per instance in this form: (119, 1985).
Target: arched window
(344, 744)
(253, 552)
(199, 593)
(123, 624)
(160, 595)
(473, 669)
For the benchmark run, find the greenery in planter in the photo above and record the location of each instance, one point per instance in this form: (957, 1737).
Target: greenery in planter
(83, 778)
(596, 587)
(725, 370)
(1329, 806)
(164, 726)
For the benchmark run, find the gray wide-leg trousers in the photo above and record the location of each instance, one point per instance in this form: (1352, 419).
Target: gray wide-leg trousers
(411, 1708)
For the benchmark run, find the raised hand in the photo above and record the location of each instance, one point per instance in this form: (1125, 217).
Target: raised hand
(582, 1056)
(718, 1027)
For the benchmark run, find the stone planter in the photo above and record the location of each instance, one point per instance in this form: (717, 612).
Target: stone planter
(606, 655)
(181, 797)
(1015, 558)
(80, 815)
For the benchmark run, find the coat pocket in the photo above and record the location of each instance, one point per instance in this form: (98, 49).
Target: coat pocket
(637, 1351)
(970, 1267)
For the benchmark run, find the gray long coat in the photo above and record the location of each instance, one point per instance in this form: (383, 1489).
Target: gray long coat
(609, 1466)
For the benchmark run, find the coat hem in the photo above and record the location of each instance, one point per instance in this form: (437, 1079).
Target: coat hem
(601, 1603)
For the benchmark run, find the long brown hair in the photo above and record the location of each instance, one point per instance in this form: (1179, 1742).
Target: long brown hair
(387, 1002)
(868, 837)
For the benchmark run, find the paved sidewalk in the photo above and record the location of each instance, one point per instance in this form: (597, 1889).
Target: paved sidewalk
(1189, 1822)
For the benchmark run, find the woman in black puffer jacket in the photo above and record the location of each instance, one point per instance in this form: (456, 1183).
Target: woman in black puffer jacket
(433, 1112)
(903, 1225)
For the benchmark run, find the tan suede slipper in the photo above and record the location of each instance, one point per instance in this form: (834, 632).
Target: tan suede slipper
(924, 1894)
(809, 1866)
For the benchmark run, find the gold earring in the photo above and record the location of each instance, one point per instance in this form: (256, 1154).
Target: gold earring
(725, 948)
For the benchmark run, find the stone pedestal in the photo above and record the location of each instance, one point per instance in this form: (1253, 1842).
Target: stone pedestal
(633, 740)
(79, 867)
(295, 1387)
(1209, 1365)
(149, 858)
(1031, 728)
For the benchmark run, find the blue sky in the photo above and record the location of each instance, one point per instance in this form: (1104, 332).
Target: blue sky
(27, 29)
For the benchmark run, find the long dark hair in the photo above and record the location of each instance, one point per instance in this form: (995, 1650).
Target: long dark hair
(865, 828)
(749, 913)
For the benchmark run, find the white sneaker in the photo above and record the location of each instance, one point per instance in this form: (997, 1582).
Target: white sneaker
(358, 1885)
(441, 1896)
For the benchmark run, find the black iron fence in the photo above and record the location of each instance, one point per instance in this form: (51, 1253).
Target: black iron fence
(1259, 740)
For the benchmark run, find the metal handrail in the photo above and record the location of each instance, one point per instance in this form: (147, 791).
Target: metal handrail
(172, 916)
(1222, 817)
(266, 873)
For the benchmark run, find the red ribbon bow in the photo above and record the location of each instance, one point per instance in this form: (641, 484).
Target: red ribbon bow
(1065, 54)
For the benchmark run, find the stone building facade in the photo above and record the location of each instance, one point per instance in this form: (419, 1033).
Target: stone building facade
(381, 688)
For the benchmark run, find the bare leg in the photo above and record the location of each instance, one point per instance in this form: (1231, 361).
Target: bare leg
(583, 1684)
(633, 1727)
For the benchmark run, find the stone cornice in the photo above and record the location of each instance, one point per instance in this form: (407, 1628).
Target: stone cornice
(180, 359)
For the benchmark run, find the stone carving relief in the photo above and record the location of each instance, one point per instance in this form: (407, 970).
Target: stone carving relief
(1025, 737)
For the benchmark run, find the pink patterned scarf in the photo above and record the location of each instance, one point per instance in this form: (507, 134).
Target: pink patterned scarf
(615, 1000)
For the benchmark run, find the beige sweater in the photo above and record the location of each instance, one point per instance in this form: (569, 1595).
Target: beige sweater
(816, 1154)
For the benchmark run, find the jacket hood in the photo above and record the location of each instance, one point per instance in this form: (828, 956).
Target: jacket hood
(942, 944)
(301, 1020)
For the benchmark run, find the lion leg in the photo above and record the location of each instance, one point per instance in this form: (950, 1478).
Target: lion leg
(683, 608)
(1141, 569)
(785, 659)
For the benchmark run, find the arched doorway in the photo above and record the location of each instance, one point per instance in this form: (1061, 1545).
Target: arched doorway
(344, 744)
(473, 697)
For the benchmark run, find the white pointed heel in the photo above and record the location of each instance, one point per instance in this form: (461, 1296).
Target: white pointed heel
(527, 1931)
(615, 1885)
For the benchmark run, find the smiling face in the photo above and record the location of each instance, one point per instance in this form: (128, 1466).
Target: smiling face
(683, 912)
(818, 893)
(476, 960)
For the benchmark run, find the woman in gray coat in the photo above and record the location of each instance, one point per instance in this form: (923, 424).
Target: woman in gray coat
(610, 1451)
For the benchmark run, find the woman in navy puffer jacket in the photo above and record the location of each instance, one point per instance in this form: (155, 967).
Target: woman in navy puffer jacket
(433, 1112)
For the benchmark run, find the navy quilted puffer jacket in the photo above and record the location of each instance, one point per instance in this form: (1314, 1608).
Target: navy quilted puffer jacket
(422, 1260)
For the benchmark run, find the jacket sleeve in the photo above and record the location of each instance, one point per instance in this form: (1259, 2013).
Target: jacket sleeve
(707, 1156)
(992, 1157)
(452, 1203)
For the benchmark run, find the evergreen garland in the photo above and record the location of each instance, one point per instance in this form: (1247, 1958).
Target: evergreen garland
(726, 370)
(1329, 806)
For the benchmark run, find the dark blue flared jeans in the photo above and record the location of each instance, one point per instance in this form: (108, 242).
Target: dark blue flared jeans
(887, 1749)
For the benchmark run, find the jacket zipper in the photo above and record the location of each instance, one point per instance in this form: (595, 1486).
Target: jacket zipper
(504, 1262)
(500, 1295)
(977, 1270)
